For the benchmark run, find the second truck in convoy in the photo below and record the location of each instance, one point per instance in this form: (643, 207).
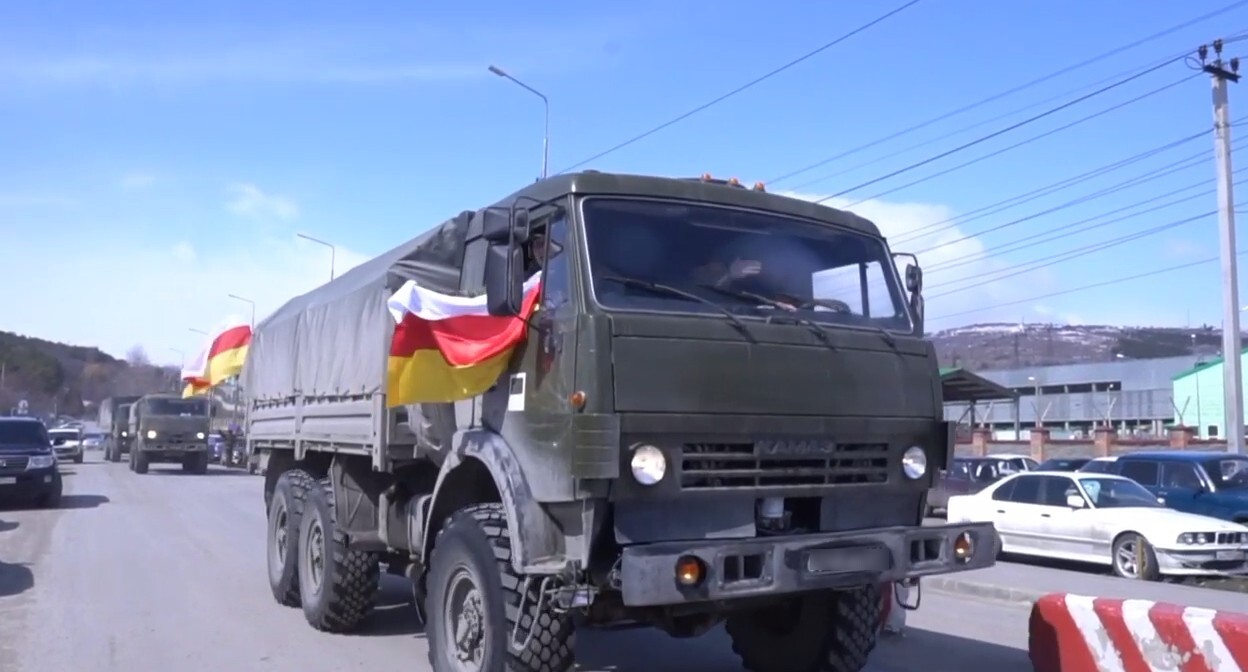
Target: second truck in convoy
(169, 429)
(724, 411)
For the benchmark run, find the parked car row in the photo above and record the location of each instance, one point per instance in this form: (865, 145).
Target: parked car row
(1146, 514)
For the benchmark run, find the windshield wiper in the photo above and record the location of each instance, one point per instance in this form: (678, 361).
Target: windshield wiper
(659, 288)
(814, 327)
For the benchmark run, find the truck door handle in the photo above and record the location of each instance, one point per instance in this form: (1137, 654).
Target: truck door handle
(1000, 510)
(1045, 515)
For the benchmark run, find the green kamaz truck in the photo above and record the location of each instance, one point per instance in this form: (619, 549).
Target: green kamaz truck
(114, 421)
(724, 411)
(169, 429)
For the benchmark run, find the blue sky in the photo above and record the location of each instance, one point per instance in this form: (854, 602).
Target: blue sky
(177, 148)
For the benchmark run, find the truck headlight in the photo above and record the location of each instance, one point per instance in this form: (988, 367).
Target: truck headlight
(914, 462)
(151, 433)
(199, 435)
(124, 434)
(649, 464)
(41, 461)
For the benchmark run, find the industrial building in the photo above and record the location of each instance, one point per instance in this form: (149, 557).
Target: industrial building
(1137, 396)
(1197, 393)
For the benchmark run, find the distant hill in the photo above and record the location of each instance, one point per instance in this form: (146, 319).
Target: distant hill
(68, 379)
(1010, 345)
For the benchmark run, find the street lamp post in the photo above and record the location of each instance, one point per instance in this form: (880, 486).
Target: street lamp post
(546, 112)
(332, 250)
(250, 303)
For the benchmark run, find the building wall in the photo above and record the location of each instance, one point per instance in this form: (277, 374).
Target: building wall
(1136, 395)
(1199, 397)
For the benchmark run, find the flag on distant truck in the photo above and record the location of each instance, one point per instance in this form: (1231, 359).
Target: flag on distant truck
(447, 348)
(221, 358)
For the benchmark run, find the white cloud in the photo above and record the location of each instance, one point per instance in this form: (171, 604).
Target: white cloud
(154, 295)
(953, 261)
(137, 180)
(249, 201)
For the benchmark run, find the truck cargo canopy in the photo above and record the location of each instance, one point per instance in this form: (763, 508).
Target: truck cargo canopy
(335, 339)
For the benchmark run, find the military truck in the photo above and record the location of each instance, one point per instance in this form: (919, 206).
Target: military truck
(723, 411)
(114, 421)
(169, 429)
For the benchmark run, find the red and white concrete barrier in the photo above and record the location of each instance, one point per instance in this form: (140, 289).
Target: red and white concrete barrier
(1075, 633)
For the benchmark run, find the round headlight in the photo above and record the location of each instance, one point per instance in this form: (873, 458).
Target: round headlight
(649, 465)
(914, 462)
(151, 433)
(199, 435)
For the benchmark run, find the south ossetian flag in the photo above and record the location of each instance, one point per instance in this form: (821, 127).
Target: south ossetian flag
(447, 348)
(221, 358)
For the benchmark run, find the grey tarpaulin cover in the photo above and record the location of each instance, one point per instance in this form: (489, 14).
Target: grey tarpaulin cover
(335, 339)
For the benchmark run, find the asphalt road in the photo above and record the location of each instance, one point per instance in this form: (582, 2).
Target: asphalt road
(167, 571)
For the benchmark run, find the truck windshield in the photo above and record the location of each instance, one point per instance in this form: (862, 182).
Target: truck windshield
(183, 407)
(741, 259)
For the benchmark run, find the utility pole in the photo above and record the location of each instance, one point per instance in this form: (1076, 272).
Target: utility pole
(1222, 72)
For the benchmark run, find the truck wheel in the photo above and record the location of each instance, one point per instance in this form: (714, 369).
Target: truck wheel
(197, 463)
(114, 454)
(828, 631)
(285, 510)
(474, 599)
(140, 462)
(337, 586)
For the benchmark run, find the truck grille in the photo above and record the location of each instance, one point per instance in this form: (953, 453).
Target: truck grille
(779, 464)
(13, 465)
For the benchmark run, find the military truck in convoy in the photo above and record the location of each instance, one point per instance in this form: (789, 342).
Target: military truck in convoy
(114, 421)
(169, 429)
(724, 410)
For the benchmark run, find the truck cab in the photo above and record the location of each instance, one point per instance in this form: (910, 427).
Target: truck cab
(169, 429)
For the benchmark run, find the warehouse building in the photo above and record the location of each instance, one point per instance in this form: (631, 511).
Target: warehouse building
(1137, 396)
(1197, 393)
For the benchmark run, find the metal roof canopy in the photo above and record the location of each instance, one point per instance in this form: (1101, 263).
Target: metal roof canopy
(960, 385)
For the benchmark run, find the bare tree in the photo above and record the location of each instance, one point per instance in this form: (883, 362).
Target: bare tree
(137, 356)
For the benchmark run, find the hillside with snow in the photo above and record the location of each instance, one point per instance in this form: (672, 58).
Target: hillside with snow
(1011, 345)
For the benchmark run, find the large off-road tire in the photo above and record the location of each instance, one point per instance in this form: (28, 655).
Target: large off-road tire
(114, 453)
(471, 585)
(829, 631)
(141, 463)
(337, 586)
(282, 543)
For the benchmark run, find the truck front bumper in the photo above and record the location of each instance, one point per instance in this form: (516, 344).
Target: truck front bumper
(172, 450)
(778, 565)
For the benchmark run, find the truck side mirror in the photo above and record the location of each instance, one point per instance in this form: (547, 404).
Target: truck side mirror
(505, 225)
(914, 279)
(504, 279)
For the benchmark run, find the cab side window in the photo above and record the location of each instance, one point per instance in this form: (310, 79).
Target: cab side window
(556, 273)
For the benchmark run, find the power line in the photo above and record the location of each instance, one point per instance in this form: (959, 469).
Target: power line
(743, 87)
(1022, 143)
(1182, 165)
(967, 145)
(1021, 87)
(1046, 237)
(985, 122)
(1095, 285)
(1067, 255)
(1054, 187)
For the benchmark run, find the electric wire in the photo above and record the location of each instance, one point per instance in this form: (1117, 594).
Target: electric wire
(984, 138)
(1082, 288)
(1034, 138)
(744, 87)
(1022, 87)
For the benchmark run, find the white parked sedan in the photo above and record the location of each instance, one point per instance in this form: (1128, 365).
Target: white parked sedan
(1103, 519)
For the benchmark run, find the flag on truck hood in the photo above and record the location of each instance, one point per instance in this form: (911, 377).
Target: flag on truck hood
(447, 348)
(221, 357)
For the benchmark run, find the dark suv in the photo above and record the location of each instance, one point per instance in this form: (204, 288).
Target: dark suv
(28, 466)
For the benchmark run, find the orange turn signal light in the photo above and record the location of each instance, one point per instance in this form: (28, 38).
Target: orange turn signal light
(690, 570)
